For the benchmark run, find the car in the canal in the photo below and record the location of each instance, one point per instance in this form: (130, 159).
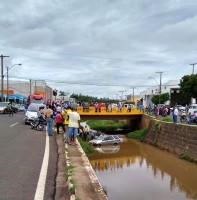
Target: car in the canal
(4, 107)
(105, 140)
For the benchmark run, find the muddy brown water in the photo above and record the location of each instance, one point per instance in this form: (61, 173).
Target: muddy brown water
(138, 171)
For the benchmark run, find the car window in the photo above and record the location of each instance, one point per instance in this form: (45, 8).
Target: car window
(110, 138)
(35, 107)
(106, 138)
(3, 104)
(99, 137)
(116, 137)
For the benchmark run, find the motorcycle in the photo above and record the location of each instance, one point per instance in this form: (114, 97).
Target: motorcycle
(183, 116)
(38, 123)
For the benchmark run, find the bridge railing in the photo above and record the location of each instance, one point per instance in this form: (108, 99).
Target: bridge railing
(104, 111)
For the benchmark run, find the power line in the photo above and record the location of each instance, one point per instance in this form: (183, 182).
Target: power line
(83, 84)
(85, 56)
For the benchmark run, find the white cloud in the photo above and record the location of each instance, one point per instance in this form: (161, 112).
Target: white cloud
(95, 43)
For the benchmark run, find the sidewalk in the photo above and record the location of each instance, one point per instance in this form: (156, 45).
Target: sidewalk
(87, 186)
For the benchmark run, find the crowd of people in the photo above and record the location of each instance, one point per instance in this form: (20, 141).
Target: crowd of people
(64, 116)
(176, 113)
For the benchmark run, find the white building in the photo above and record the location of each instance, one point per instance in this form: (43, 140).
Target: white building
(26, 88)
(165, 88)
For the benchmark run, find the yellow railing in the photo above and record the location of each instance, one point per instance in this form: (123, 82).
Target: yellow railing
(103, 111)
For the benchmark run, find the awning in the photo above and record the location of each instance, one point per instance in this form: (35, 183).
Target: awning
(17, 96)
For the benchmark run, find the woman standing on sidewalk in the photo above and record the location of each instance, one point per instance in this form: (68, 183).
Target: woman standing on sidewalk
(49, 117)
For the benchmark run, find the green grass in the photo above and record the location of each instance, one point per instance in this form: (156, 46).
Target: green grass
(138, 134)
(88, 149)
(185, 156)
(156, 125)
(68, 171)
(167, 119)
(105, 125)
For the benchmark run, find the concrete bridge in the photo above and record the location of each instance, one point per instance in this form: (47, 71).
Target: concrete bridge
(113, 114)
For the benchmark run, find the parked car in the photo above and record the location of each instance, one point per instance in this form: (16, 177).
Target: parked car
(32, 112)
(105, 139)
(180, 107)
(4, 107)
(20, 107)
(193, 117)
(192, 108)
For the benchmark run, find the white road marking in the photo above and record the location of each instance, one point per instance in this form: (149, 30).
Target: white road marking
(14, 124)
(39, 195)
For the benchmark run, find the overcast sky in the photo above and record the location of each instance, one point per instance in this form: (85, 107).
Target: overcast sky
(99, 47)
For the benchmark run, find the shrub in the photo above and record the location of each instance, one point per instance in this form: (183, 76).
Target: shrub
(185, 156)
(167, 119)
(88, 149)
(156, 125)
(104, 125)
(139, 134)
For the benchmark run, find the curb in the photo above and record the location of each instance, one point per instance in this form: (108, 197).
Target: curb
(63, 162)
(94, 180)
(61, 192)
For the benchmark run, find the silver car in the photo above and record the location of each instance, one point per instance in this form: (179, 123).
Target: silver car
(32, 112)
(105, 139)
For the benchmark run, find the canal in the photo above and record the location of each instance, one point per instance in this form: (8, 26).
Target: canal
(138, 171)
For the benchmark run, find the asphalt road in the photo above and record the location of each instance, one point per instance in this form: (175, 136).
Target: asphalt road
(21, 156)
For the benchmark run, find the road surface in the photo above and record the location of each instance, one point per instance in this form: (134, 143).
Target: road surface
(21, 156)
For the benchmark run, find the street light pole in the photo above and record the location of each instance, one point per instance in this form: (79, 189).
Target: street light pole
(160, 81)
(2, 76)
(8, 69)
(158, 85)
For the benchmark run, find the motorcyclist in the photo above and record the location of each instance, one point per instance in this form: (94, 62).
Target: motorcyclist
(41, 116)
(183, 116)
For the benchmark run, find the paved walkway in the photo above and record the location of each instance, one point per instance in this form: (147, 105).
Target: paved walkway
(86, 183)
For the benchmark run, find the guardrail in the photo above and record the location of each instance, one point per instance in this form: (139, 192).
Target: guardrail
(103, 111)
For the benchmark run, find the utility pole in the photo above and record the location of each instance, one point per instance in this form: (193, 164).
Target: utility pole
(122, 93)
(2, 76)
(30, 82)
(133, 94)
(160, 81)
(193, 64)
(7, 84)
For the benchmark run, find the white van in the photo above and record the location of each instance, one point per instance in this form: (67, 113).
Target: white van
(192, 108)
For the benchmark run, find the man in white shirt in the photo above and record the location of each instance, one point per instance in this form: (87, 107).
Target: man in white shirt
(73, 126)
(175, 114)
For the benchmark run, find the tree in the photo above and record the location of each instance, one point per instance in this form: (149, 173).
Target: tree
(160, 98)
(62, 93)
(188, 85)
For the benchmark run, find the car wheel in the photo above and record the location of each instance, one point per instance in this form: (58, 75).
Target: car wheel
(26, 123)
(99, 145)
(115, 144)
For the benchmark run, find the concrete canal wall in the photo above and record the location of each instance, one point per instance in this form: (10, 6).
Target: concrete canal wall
(176, 138)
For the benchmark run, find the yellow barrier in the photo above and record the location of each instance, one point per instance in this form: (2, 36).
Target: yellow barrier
(103, 111)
